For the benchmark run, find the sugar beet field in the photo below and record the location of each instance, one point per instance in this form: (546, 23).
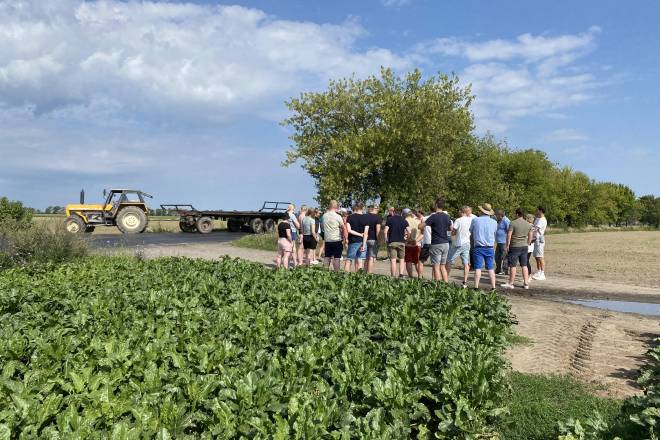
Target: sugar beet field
(178, 348)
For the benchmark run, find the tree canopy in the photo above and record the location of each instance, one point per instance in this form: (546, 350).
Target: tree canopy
(404, 141)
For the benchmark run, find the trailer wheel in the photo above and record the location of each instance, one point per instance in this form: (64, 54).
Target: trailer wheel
(186, 227)
(257, 225)
(204, 225)
(234, 225)
(269, 225)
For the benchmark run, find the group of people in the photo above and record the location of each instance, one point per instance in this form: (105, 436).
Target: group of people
(489, 240)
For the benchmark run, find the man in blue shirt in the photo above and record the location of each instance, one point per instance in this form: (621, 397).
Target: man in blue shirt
(483, 229)
(503, 223)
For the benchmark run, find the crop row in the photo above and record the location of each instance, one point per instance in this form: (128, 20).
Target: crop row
(121, 348)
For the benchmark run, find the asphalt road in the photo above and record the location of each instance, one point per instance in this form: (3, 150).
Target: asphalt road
(101, 241)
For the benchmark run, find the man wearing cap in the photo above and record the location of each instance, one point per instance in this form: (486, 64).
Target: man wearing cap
(483, 229)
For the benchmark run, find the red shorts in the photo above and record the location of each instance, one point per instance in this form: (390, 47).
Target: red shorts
(412, 254)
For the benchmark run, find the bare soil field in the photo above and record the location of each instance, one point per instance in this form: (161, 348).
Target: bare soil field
(630, 258)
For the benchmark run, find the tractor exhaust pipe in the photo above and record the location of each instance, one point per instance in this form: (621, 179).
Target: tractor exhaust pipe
(82, 196)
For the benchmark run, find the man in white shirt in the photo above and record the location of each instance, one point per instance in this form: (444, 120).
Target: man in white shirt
(333, 233)
(540, 224)
(461, 247)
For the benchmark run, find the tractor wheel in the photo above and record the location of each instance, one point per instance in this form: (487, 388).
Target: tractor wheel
(257, 225)
(204, 225)
(234, 225)
(269, 225)
(74, 224)
(131, 220)
(185, 227)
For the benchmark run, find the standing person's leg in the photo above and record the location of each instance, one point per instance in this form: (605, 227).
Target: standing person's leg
(529, 263)
(465, 259)
(489, 262)
(391, 253)
(419, 267)
(499, 253)
(444, 248)
(436, 260)
(523, 264)
(478, 264)
(539, 252)
(453, 251)
(408, 259)
(280, 254)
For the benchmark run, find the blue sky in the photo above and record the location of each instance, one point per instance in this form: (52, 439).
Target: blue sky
(183, 99)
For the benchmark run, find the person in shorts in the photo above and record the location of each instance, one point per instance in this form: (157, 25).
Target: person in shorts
(395, 233)
(503, 223)
(310, 238)
(284, 244)
(530, 248)
(333, 233)
(540, 224)
(461, 247)
(483, 230)
(374, 221)
(358, 231)
(426, 237)
(440, 225)
(519, 236)
(413, 245)
(295, 226)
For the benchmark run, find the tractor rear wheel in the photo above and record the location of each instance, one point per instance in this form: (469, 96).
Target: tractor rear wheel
(204, 225)
(131, 220)
(257, 225)
(75, 224)
(186, 227)
(269, 225)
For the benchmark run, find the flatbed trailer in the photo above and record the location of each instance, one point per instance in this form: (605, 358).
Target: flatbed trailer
(256, 222)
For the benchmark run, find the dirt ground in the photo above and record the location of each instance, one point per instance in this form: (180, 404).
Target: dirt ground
(630, 258)
(596, 346)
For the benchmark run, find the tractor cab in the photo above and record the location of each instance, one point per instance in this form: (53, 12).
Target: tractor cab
(124, 208)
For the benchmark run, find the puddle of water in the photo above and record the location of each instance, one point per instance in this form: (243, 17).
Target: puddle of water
(620, 306)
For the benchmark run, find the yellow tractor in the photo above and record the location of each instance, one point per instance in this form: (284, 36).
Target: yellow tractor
(124, 208)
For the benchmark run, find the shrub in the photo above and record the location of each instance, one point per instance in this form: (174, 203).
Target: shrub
(646, 408)
(264, 242)
(14, 213)
(175, 347)
(38, 243)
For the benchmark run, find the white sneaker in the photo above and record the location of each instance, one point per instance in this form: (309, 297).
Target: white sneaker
(507, 286)
(539, 276)
(525, 286)
(464, 286)
(314, 263)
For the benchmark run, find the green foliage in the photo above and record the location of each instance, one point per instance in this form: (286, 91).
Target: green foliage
(649, 207)
(405, 141)
(646, 408)
(539, 403)
(386, 138)
(39, 243)
(593, 428)
(264, 242)
(179, 348)
(13, 213)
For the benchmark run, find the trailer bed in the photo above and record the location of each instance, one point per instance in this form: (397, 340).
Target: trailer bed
(256, 222)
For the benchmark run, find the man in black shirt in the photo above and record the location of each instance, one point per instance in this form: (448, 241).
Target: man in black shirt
(439, 223)
(395, 231)
(374, 221)
(358, 231)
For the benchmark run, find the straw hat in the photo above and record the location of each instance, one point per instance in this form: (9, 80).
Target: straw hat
(487, 209)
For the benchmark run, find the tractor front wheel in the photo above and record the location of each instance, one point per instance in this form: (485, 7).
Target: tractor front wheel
(75, 224)
(131, 220)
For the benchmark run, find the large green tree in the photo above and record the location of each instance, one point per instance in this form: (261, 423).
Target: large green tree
(386, 138)
(649, 207)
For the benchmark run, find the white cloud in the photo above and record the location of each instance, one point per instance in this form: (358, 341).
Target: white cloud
(565, 135)
(395, 3)
(526, 76)
(182, 58)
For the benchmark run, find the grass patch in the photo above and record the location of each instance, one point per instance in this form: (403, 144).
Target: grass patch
(539, 403)
(516, 339)
(264, 242)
